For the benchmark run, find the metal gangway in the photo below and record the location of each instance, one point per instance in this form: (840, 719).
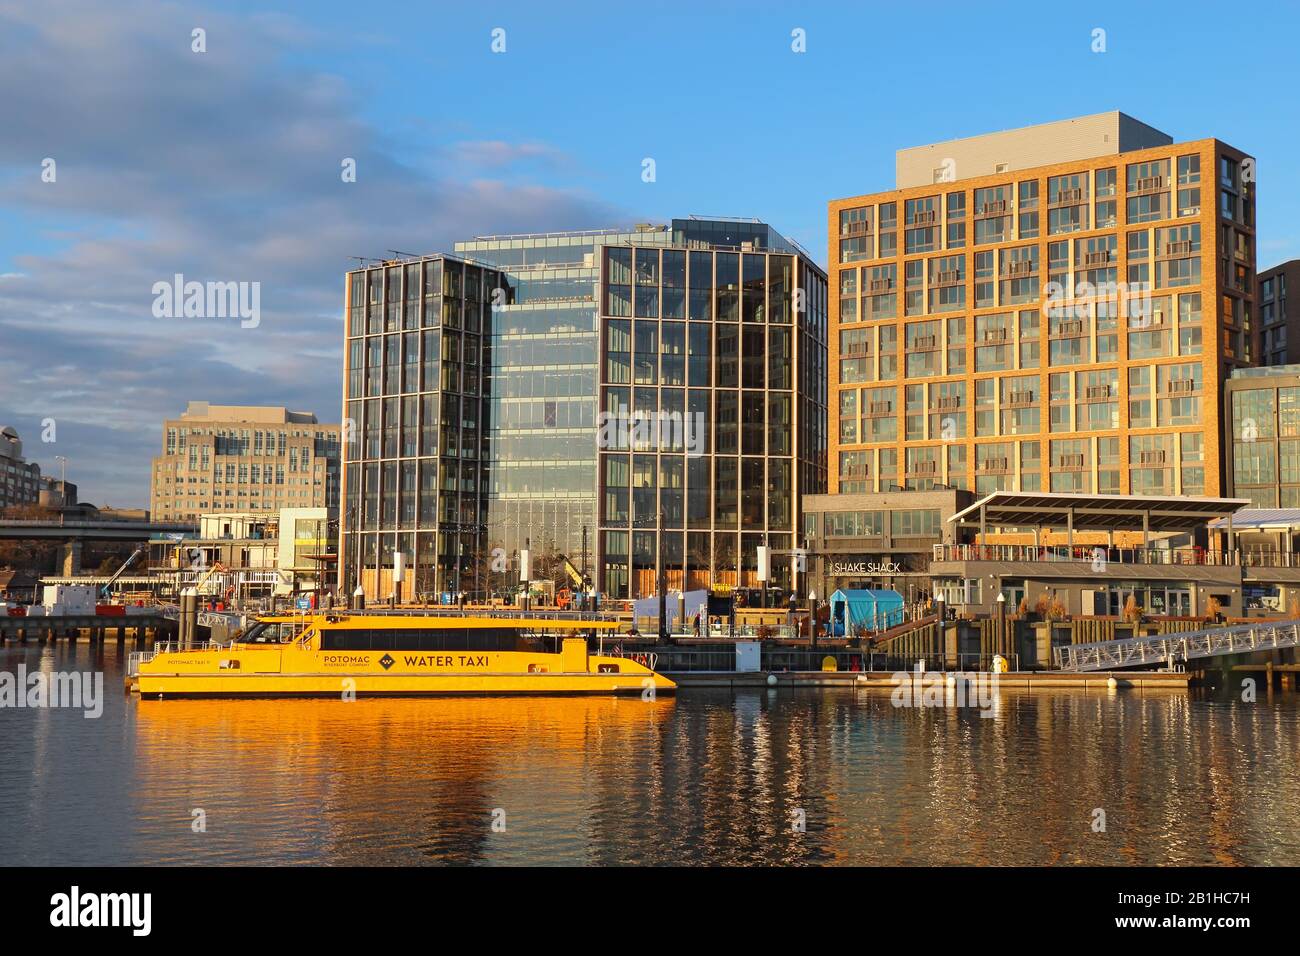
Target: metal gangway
(1178, 648)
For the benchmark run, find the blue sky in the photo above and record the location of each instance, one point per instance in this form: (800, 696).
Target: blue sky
(740, 125)
(225, 165)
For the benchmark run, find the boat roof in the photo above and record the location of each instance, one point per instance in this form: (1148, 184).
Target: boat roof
(435, 619)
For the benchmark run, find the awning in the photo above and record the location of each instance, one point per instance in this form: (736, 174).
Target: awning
(1030, 509)
(1261, 519)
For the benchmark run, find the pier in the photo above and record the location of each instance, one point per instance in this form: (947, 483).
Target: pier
(93, 628)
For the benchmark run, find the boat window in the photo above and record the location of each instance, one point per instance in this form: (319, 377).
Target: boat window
(269, 632)
(426, 639)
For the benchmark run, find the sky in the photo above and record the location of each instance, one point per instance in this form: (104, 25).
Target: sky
(226, 164)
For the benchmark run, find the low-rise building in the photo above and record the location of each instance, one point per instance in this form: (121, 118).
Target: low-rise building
(250, 555)
(1058, 555)
(1087, 555)
(879, 539)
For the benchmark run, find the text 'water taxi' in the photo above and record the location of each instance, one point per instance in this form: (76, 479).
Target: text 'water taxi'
(368, 654)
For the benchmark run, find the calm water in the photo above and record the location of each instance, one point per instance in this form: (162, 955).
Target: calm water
(710, 777)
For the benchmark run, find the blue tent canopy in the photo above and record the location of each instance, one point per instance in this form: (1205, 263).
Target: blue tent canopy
(865, 608)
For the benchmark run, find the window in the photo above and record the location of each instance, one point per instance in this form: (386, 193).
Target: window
(1139, 259)
(848, 295)
(1027, 227)
(956, 221)
(855, 221)
(993, 210)
(1105, 215)
(984, 279)
(947, 283)
(1019, 276)
(880, 300)
(994, 342)
(921, 221)
(1067, 198)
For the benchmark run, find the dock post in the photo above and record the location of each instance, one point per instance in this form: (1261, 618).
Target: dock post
(189, 617)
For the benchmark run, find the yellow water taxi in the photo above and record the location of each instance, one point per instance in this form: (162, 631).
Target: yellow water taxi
(402, 654)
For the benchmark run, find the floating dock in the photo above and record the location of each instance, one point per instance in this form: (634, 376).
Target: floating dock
(884, 680)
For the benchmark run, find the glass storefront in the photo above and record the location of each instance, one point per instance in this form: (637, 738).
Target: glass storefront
(1155, 600)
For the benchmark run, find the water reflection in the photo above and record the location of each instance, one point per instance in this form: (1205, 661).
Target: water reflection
(708, 777)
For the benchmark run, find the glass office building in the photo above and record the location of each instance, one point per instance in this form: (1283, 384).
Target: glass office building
(541, 389)
(414, 440)
(474, 388)
(1261, 417)
(720, 342)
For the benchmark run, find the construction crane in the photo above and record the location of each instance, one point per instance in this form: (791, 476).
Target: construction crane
(564, 596)
(108, 585)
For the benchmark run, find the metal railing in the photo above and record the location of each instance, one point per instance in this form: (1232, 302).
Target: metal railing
(1100, 554)
(504, 613)
(1177, 648)
(132, 523)
(742, 632)
(136, 658)
(646, 658)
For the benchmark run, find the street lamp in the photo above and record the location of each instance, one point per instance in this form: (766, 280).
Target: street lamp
(812, 617)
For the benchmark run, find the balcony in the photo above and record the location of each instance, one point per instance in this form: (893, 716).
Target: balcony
(1091, 555)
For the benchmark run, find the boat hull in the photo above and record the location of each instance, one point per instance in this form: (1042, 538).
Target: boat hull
(396, 685)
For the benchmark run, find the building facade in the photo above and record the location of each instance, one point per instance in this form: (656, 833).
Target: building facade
(541, 386)
(20, 479)
(249, 555)
(239, 458)
(414, 481)
(719, 341)
(879, 539)
(1261, 416)
(476, 383)
(1279, 341)
(1061, 327)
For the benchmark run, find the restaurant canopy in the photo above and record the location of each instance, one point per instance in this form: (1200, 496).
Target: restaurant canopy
(1146, 513)
(1261, 519)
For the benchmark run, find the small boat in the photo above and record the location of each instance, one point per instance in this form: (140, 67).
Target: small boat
(403, 654)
